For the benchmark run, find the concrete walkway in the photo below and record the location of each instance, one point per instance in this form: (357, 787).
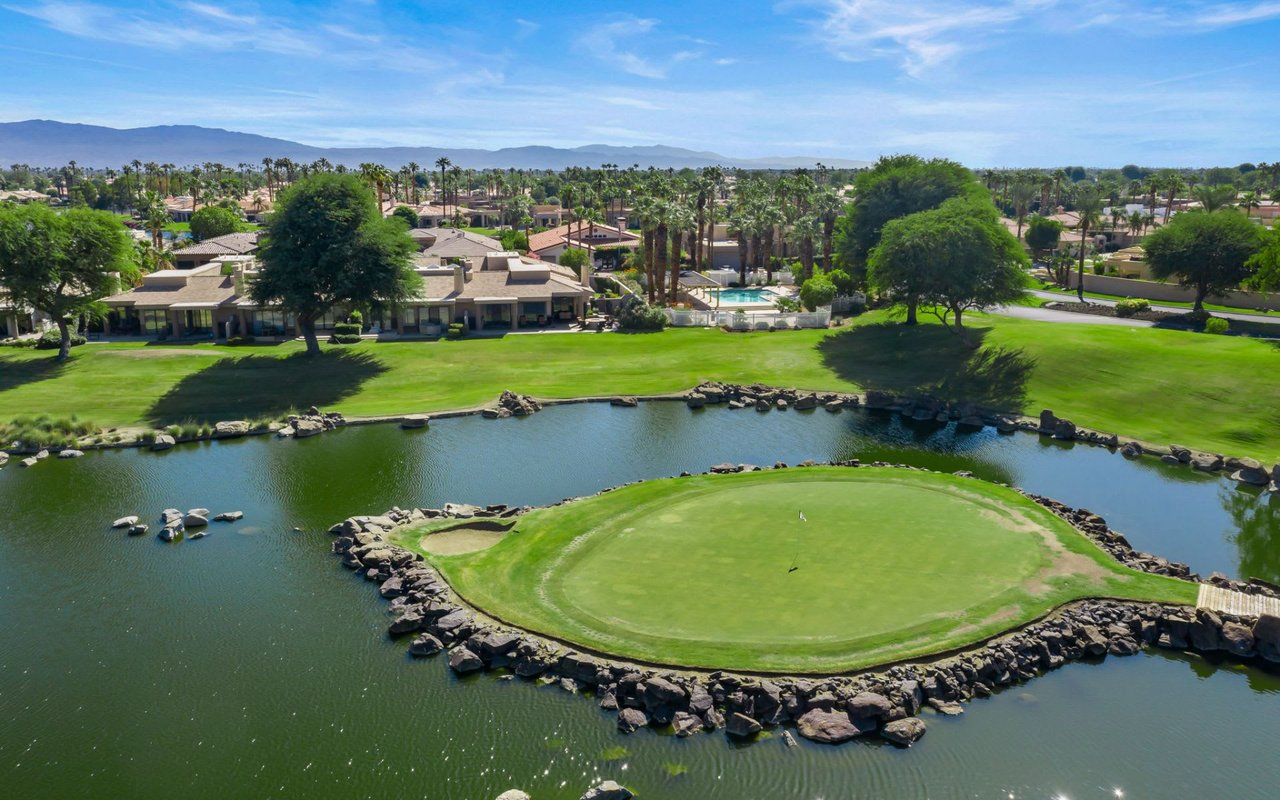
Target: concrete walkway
(1265, 319)
(1237, 603)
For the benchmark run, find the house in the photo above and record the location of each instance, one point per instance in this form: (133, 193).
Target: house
(590, 236)
(1130, 262)
(17, 320)
(546, 216)
(441, 245)
(23, 196)
(494, 289)
(231, 244)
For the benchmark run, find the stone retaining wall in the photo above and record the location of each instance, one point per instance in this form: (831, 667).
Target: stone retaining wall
(883, 702)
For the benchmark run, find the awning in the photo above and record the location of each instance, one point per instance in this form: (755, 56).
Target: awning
(506, 300)
(195, 305)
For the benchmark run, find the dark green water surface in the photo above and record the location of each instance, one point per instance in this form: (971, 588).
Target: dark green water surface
(250, 664)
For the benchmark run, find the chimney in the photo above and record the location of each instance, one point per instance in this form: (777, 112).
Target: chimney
(584, 274)
(622, 224)
(459, 278)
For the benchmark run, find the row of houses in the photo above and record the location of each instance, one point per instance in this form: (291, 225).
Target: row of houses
(466, 278)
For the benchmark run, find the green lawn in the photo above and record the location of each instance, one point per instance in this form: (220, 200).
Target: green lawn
(719, 571)
(1211, 392)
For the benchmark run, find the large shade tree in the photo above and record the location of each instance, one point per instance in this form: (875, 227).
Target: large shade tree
(327, 245)
(62, 263)
(895, 187)
(1209, 251)
(952, 258)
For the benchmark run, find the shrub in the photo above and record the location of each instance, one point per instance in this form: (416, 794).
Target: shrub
(841, 280)
(356, 318)
(45, 431)
(1128, 308)
(52, 340)
(817, 291)
(456, 331)
(19, 343)
(787, 304)
(1216, 325)
(345, 338)
(636, 315)
(346, 329)
(213, 221)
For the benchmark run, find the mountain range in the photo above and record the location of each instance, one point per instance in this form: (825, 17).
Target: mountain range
(48, 143)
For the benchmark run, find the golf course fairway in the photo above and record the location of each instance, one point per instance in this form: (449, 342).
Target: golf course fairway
(802, 571)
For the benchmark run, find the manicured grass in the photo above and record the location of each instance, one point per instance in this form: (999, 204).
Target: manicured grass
(1209, 392)
(719, 571)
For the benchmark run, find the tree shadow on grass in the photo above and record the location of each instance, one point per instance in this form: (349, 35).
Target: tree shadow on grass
(16, 373)
(251, 387)
(929, 359)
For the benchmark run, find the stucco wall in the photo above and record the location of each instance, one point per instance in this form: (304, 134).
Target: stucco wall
(1154, 291)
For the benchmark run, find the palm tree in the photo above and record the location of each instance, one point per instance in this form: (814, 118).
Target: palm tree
(1059, 175)
(680, 222)
(1212, 198)
(1173, 184)
(1020, 196)
(1089, 207)
(155, 216)
(1248, 201)
(828, 205)
(714, 177)
(413, 168)
(803, 232)
(443, 163)
(267, 164)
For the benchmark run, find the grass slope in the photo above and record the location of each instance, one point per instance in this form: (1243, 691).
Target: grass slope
(1210, 392)
(889, 564)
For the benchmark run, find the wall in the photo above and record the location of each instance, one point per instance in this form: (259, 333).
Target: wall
(1158, 292)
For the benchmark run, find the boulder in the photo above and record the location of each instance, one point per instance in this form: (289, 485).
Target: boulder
(1238, 640)
(462, 661)
(1251, 472)
(230, 430)
(414, 421)
(305, 427)
(229, 516)
(28, 462)
(631, 720)
(70, 453)
(741, 725)
(1206, 462)
(194, 520)
(4, 458)
(137, 530)
(1048, 421)
(125, 522)
(1266, 636)
(869, 705)
(832, 727)
(624, 402)
(513, 794)
(425, 645)
(608, 790)
(946, 708)
(42, 455)
(285, 432)
(903, 732)
(168, 534)
(686, 724)
(1182, 454)
(662, 692)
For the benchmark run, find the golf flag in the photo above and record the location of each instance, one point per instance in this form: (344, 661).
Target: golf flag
(802, 519)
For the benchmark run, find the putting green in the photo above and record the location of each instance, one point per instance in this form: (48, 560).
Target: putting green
(722, 571)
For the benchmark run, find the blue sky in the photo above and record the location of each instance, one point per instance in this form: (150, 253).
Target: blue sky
(990, 83)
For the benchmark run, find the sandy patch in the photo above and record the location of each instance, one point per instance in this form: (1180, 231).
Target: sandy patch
(459, 540)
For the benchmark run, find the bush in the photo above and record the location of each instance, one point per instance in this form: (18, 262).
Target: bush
(817, 291)
(1128, 308)
(636, 315)
(843, 283)
(345, 338)
(456, 331)
(52, 340)
(347, 329)
(213, 221)
(19, 343)
(356, 318)
(786, 304)
(1216, 325)
(45, 431)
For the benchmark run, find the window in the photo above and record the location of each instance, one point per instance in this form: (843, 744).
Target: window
(155, 322)
(267, 323)
(533, 309)
(198, 320)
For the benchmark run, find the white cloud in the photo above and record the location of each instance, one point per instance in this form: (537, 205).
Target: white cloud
(725, 62)
(922, 33)
(601, 41)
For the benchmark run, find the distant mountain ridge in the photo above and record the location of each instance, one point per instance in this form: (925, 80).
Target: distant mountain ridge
(48, 143)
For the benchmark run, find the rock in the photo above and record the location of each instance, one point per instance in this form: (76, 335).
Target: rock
(624, 402)
(1182, 454)
(946, 708)
(1251, 472)
(903, 732)
(1238, 640)
(832, 727)
(194, 520)
(1206, 462)
(1048, 421)
(608, 790)
(137, 530)
(168, 534)
(869, 704)
(631, 720)
(4, 458)
(42, 455)
(662, 692)
(163, 441)
(1266, 636)
(414, 421)
(305, 427)
(425, 645)
(230, 430)
(686, 724)
(741, 726)
(513, 794)
(199, 535)
(285, 432)
(125, 522)
(70, 453)
(229, 516)
(28, 462)
(170, 515)
(463, 661)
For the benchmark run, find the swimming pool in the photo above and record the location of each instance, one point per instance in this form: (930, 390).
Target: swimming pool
(742, 296)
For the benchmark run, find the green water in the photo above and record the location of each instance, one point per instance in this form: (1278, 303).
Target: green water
(249, 664)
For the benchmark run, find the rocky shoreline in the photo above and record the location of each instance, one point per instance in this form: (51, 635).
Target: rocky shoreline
(883, 702)
(922, 409)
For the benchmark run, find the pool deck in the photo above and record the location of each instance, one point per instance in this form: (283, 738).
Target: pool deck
(706, 299)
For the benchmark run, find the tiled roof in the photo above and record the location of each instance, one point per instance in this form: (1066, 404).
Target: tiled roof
(455, 242)
(567, 234)
(236, 244)
(500, 283)
(201, 289)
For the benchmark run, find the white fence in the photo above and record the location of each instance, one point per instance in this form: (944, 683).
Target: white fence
(750, 320)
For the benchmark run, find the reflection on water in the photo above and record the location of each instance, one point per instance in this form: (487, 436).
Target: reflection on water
(249, 664)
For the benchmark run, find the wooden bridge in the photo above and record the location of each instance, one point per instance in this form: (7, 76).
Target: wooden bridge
(1238, 603)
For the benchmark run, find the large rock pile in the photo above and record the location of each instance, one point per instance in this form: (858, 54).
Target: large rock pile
(511, 404)
(311, 423)
(764, 398)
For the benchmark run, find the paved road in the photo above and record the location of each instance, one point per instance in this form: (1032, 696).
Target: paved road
(1272, 319)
